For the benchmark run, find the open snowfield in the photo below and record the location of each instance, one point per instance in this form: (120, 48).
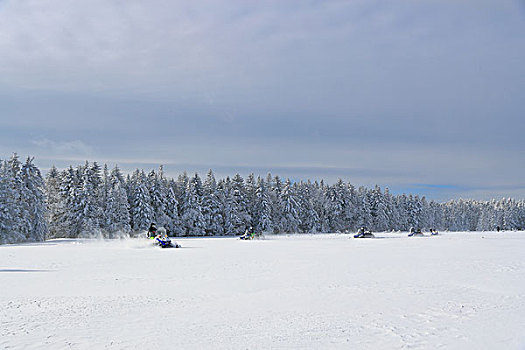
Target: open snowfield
(453, 291)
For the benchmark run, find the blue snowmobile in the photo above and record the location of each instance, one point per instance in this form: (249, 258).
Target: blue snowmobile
(364, 233)
(415, 233)
(163, 241)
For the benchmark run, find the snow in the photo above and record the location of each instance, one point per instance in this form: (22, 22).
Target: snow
(454, 291)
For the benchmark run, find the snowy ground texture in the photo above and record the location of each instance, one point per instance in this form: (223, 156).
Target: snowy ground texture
(453, 291)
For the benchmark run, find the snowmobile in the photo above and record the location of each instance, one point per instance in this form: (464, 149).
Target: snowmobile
(163, 241)
(362, 233)
(250, 234)
(416, 233)
(433, 232)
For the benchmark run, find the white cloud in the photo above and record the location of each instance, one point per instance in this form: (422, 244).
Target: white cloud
(420, 88)
(74, 147)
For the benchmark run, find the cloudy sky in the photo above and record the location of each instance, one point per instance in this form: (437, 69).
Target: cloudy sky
(419, 96)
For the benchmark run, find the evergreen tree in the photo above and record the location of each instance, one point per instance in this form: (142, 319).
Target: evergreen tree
(289, 208)
(363, 209)
(20, 225)
(55, 204)
(211, 207)
(263, 213)
(192, 219)
(117, 205)
(241, 217)
(308, 216)
(8, 207)
(33, 201)
(378, 210)
(158, 188)
(174, 226)
(88, 203)
(274, 194)
(142, 214)
(226, 198)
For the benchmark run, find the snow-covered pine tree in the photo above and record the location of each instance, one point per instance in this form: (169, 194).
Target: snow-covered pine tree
(211, 207)
(158, 192)
(8, 205)
(89, 211)
(141, 211)
(33, 199)
(117, 206)
(378, 210)
(22, 202)
(321, 203)
(241, 216)
(338, 201)
(67, 223)
(390, 210)
(289, 208)
(55, 203)
(103, 196)
(363, 208)
(250, 189)
(20, 225)
(226, 199)
(192, 219)
(275, 186)
(351, 208)
(263, 211)
(308, 216)
(174, 226)
(510, 219)
(180, 187)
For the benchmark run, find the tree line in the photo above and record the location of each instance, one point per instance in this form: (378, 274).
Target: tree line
(89, 200)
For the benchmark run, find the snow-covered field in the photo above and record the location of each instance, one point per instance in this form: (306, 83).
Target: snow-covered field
(453, 291)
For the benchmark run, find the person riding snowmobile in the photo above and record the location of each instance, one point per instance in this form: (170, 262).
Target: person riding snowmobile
(152, 231)
(415, 232)
(248, 234)
(363, 233)
(162, 239)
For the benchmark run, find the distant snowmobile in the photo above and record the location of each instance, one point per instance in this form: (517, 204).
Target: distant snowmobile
(433, 232)
(250, 234)
(364, 233)
(415, 233)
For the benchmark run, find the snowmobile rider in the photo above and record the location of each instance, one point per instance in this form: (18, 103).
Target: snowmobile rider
(152, 231)
(248, 234)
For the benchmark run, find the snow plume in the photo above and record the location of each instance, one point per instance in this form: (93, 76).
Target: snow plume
(120, 235)
(94, 234)
(99, 234)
